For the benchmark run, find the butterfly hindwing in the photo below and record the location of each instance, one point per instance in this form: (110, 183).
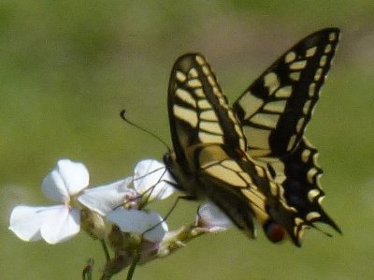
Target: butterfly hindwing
(301, 174)
(276, 108)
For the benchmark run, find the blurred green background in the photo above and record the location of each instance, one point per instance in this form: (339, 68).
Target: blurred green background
(67, 68)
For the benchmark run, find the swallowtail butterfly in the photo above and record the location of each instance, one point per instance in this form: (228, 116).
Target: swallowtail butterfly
(253, 160)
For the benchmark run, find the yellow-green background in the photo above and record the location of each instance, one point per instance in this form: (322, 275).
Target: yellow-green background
(68, 67)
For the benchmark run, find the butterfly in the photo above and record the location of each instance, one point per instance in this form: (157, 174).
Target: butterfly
(252, 159)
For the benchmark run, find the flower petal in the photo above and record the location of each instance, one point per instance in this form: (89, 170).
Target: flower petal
(152, 178)
(26, 221)
(212, 218)
(140, 222)
(61, 225)
(54, 188)
(74, 174)
(104, 199)
(67, 178)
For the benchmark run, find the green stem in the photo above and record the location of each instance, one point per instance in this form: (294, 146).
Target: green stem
(87, 271)
(133, 265)
(105, 248)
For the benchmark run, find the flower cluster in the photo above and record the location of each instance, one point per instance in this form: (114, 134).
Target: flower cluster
(117, 213)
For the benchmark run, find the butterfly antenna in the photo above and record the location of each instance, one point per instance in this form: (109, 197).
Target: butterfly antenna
(123, 115)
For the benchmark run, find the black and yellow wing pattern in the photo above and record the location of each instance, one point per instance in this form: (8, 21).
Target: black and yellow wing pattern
(274, 112)
(209, 157)
(213, 156)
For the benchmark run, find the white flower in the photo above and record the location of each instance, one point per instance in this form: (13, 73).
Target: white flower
(151, 182)
(152, 179)
(57, 223)
(150, 224)
(212, 219)
(104, 199)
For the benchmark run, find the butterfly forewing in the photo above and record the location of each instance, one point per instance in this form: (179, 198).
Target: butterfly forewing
(197, 108)
(276, 108)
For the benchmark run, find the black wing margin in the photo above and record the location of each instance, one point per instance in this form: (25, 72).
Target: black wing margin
(299, 175)
(275, 110)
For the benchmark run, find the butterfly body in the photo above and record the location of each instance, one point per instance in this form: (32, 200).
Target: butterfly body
(252, 160)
